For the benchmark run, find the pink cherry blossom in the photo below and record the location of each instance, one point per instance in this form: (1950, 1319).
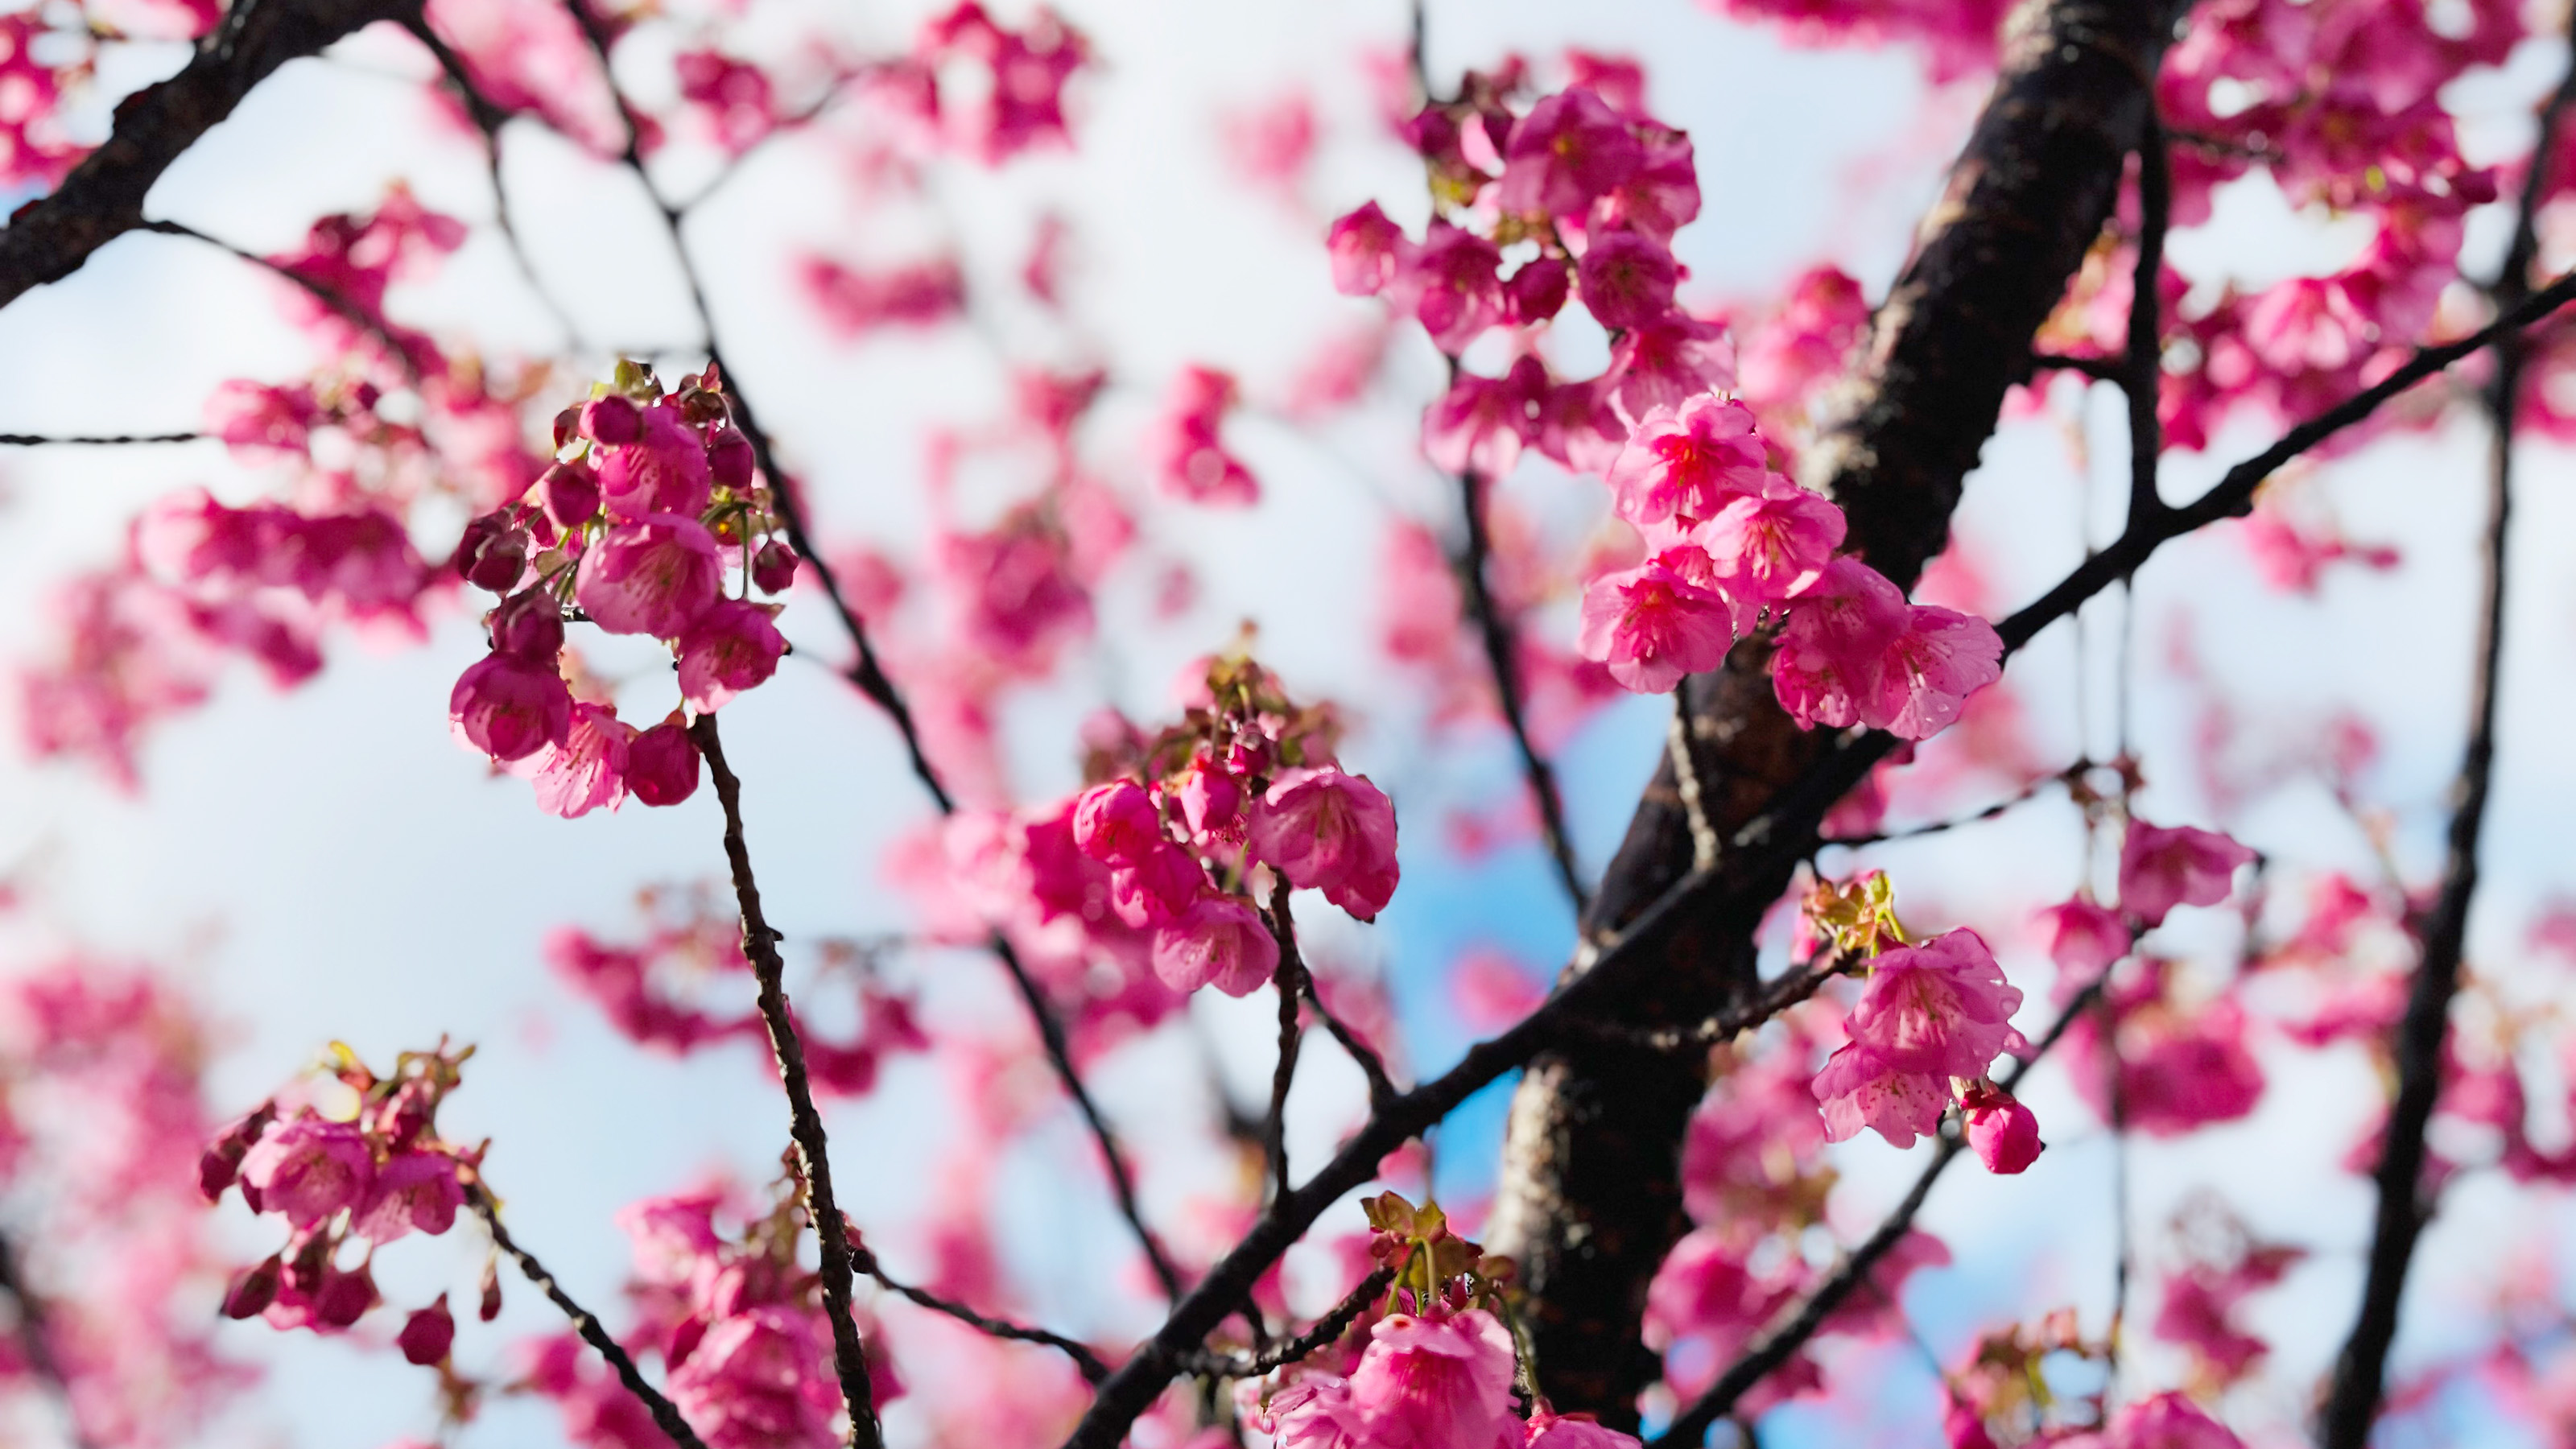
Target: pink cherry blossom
(761, 1379)
(1547, 1429)
(1930, 1012)
(1479, 425)
(1366, 248)
(1570, 148)
(2002, 1131)
(1651, 626)
(1627, 279)
(2169, 1421)
(1316, 1412)
(1927, 674)
(1667, 361)
(1188, 454)
(1830, 658)
(1157, 886)
(1536, 292)
(662, 765)
(1330, 832)
(1452, 285)
(653, 576)
(1117, 823)
(308, 1169)
(1770, 546)
(1688, 462)
(588, 770)
(732, 647)
(2163, 867)
(1437, 1382)
(413, 1190)
(2084, 938)
(662, 471)
(1221, 942)
(510, 708)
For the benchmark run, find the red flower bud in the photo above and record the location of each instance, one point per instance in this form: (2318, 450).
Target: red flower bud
(773, 568)
(528, 625)
(569, 493)
(729, 456)
(492, 554)
(254, 1290)
(662, 765)
(491, 1305)
(612, 420)
(427, 1334)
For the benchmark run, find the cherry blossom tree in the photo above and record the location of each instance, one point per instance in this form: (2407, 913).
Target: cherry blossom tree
(1946, 835)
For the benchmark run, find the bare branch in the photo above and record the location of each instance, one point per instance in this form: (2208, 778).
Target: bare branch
(665, 1414)
(1327, 1328)
(1084, 1360)
(813, 1147)
(1286, 979)
(1502, 658)
(91, 440)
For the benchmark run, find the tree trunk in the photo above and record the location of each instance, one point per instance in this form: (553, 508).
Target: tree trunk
(1590, 1200)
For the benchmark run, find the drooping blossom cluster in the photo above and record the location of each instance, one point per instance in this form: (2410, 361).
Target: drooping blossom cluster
(652, 506)
(343, 1184)
(1731, 544)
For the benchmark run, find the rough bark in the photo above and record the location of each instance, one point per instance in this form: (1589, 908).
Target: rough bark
(1591, 1197)
(102, 199)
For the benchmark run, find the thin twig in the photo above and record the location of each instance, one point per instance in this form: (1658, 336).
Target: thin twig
(1790, 1331)
(91, 440)
(1381, 1087)
(1084, 1360)
(1286, 978)
(666, 1414)
(1288, 1351)
(2405, 1205)
(813, 1147)
(2022, 796)
(331, 300)
(1502, 651)
(1796, 987)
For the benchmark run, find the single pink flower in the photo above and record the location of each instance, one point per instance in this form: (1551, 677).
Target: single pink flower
(1688, 462)
(510, 708)
(1366, 248)
(1863, 1085)
(2169, 1421)
(1211, 800)
(308, 1169)
(662, 765)
(1221, 942)
(1665, 362)
(2164, 867)
(1536, 292)
(588, 770)
(1627, 279)
(1479, 425)
(1437, 1382)
(1651, 626)
(761, 1379)
(2084, 938)
(1927, 674)
(1185, 444)
(663, 470)
(2002, 1130)
(1577, 426)
(1570, 148)
(1157, 886)
(569, 494)
(1117, 823)
(732, 647)
(1452, 284)
(529, 625)
(612, 420)
(1769, 546)
(1931, 1012)
(1315, 1412)
(653, 576)
(1330, 832)
(413, 1190)
(1833, 648)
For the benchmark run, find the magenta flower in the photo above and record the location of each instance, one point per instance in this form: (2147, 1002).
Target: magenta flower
(651, 576)
(413, 1190)
(1651, 626)
(2002, 1130)
(1117, 823)
(1315, 1412)
(1222, 942)
(428, 1334)
(1927, 674)
(1688, 462)
(2084, 939)
(1185, 444)
(1536, 292)
(308, 1169)
(1769, 546)
(730, 648)
(662, 470)
(1366, 248)
(1627, 280)
(1437, 1382)
(1452, 284)
(1931, 1012)
(510, 708)
(1668, 361)
(1548, 1429)
(569, 494)
(1331, 832)
(1157, 885)
(2169, 1421)
(1570, 148)
(1831, 652)
(1479, 425)
(588, 770)
(662, 764)
(2161, 868)
(761, 1379)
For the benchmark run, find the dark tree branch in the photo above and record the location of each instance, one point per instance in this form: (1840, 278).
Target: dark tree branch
(2405, 1200)
(1327, 1328)
(1084, 1360)
(102, 198)
(1590, 1201)
(1502, 659)
(2100, 369)
(2144, 376)
(665, 1414)
(91, 440)
(330, 298)
(1289, 976)
(2022, 796)
(1795, 1326)
(36, 1341)
(1796, 987)
(813, 1147)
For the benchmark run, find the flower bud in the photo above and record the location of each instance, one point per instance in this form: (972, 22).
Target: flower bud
(567, 423)
(612, 420)
(773, 569)
(345, 1297)
(427, 1335)
(252, 1292)
(491, 1305)
(529, 626)
(662, 765)
(569, 492)
(221, 1162)
(729, 455)
(492, 554)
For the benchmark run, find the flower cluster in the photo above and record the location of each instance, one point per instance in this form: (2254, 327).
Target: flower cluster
(652, 500)
(371, 1178)
(1014, 105)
